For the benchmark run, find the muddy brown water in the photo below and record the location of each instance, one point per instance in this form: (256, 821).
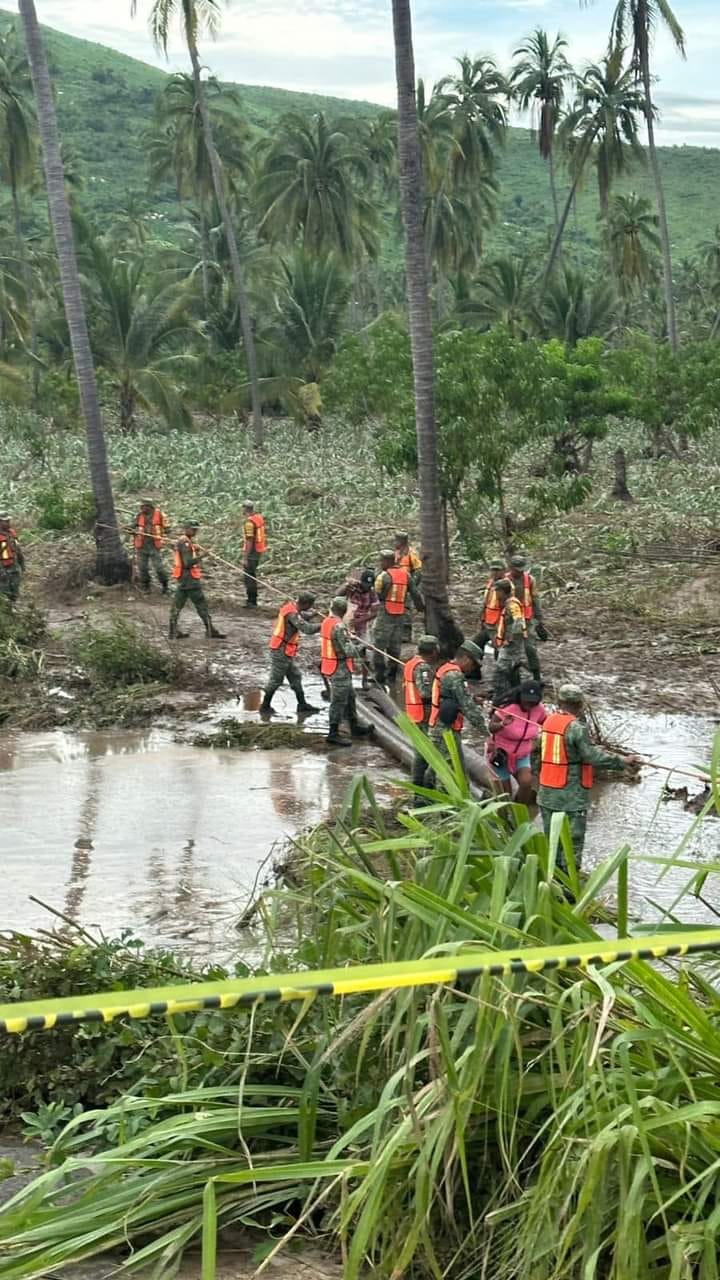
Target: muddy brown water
(134, 830)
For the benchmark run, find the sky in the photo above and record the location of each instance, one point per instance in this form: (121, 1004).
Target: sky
(344, 47)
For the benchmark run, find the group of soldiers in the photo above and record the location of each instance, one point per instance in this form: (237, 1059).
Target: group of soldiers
(435, 691)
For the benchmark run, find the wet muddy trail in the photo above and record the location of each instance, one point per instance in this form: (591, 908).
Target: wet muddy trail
(140, 830)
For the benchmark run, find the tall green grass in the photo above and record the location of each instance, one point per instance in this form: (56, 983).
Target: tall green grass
(561, 1126)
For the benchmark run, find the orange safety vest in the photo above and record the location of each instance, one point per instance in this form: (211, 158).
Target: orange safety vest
(409, 560)
(394, 601)
(329, 660)
(491, 605)
(178, 566)
(414, 705)
(8, 554)
(554, 762)
(526, 595)
(436, 690)
(158, 525)
(278, 639)
(517, 611)
(258, 541)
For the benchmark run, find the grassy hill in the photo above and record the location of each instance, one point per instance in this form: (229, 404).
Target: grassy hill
(105, 100)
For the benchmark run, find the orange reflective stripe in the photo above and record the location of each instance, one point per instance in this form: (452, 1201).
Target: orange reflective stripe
(516, 611)
(491, 605)
(257, 541)
(395, 599)
(554, 761)
(278, 638)
(414, 705)
(525, 594)
(409, 560)
(158, 525)
(437, 693)
(7, 552)
(329, 660)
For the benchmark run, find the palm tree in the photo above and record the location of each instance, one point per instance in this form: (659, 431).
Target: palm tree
(439, 617)
(141, 329)
(18, 162)
(112, 561)
(311, 304)
(633, 237)
(573, 309)
(473, 99)
(310, 186)
(196, 16)
(710, 253)
(504, 297)
(639, 19)
(602, 122)
(538, 81)
(177, 150)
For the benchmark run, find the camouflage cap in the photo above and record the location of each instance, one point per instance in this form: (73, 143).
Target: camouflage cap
(387, 555)
(518, 562)
(472, 650)
(191, 523)
(148, 502)
(4, 517)
(339, 604)
(497, 563)
(571, 693)
(427, 643)
(402, 537)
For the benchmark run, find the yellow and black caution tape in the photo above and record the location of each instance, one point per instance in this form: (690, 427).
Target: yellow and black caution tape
(39, 1015)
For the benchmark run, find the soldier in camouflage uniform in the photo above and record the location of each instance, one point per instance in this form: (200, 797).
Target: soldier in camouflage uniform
(510, 642)
(12, 560)
(452, 702)
(388, 628)
(292, 622)
(337, 649)
(489, 620)
(525, 589)
(406, 557)
(150, 527)
(418, 676)
(566, 751)
(187, 577)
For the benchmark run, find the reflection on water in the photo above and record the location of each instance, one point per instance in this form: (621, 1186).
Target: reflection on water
(636, 815)
(132, 830)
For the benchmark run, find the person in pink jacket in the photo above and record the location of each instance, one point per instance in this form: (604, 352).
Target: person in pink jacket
(514, 729)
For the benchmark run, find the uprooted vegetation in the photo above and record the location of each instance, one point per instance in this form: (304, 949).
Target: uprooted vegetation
(248, 735)
(121, 655)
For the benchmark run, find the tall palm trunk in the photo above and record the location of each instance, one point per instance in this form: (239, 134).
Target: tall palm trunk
(112, 562)
(205, 251)
(560, 229)
(439, 617)
(672, 328)
(229, 230)
(553, 187)
(29, 294)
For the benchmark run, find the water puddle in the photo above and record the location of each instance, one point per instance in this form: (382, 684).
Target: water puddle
(127, 830)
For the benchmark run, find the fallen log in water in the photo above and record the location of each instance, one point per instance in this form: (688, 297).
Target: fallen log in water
(380, 711)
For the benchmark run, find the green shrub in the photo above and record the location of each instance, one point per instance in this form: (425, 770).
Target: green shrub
(59, 510)
(122, 656)
(22, 624)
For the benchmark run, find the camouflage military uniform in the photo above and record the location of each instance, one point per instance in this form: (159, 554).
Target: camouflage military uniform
(388, 629)
(531, 650)
(342, 694)
(411, 561)
(284, 668)
(11, 574)
(511, 654)
(149, 555)
(188, 589)
(453, 686)
(574, 799)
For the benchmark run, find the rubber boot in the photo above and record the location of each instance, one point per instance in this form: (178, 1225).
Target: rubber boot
(306, 708)
(212, 633)
(174, 634)
(334, 740)
(164, 587)
(266, 708)
(359, 730)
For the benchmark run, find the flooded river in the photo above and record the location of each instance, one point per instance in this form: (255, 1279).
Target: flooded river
(128, 830)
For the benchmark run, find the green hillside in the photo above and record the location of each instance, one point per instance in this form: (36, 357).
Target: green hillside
(105, 100)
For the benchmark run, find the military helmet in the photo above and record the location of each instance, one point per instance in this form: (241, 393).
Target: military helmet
(571, 693)
(518, 562)
(472, 650)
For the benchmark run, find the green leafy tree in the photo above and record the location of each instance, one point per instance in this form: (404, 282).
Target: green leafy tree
(538, 79)
(311, 306)
(112, 561)
(310, 187)
(637, 21)
(196, 16)
(504, 295)
(574, 307)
